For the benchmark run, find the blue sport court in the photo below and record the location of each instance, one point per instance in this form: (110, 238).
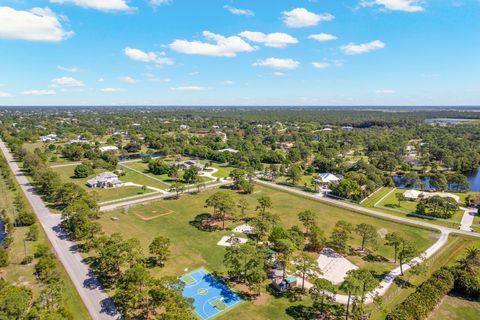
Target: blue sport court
(211, 297)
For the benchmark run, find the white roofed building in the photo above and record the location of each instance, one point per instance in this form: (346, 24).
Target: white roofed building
(108, 148)
(105, 180)
(413, 195)
(228, 150)
(328, 178)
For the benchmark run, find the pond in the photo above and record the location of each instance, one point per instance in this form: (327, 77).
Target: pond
(447, 120)
(2, 231)
(474, 179)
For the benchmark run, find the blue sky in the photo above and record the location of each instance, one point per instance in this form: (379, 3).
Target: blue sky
(239, 52)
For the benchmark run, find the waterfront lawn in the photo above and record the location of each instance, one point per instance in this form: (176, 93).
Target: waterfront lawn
(410, 207)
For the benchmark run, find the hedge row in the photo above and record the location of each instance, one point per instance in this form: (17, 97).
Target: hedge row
(420, 303)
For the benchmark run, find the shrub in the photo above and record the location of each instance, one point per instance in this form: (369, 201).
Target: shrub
(27, 260)
(25, 219)
(82, 171)
(420, 303)
(3, 258)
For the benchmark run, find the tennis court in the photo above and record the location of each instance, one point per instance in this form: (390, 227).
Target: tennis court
(210, 296)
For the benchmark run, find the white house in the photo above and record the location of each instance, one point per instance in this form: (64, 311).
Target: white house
(105, 180)
(228, 150)
(52, 137)
(108, 148)
(413, 195)
(188, 164)
(78, 141)
(328, 178)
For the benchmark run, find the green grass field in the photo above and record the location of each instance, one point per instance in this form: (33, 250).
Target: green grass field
(390, 205)
(143, 167)
(24, 274)
(456, 308)
(411, 206)
(192, 248)
(110, 194)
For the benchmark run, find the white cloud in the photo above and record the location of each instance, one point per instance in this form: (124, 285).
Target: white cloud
(239, 12)
(68, 69)
(301, 17)
(322, 37)
(222, 46)
(353, 48)
(139, 55)
(395, 5)
(157, 3)
(153, 78)
(188, 88)
(321, 65)
(101, 80)
(102, 5)
(385, 91)
(66, 82)
(228, 82)
(278, 74)
(277, 63)
(38, 24)
(5, 94)
(274, 40)
(111, 90)
(127, 79)
(39, 92)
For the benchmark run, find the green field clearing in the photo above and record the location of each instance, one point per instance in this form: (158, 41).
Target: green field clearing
(192, 248)
(456, 308)
(24, 274)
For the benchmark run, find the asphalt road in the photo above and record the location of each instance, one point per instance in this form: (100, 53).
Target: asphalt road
(97, 301)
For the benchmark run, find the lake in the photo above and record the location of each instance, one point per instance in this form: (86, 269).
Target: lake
(473, 179)
(447, 120)
(2, 231)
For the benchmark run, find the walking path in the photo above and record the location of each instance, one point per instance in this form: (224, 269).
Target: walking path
(390, 277)
(467, 219)
(97, 301)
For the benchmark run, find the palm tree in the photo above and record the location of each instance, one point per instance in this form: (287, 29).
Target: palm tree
(352, 286)
(471, 260)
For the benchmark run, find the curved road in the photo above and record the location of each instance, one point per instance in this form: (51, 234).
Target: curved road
(97, 301)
